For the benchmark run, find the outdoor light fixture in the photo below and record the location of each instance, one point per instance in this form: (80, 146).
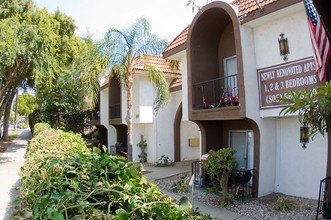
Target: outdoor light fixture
(283, 46)
(304, 136)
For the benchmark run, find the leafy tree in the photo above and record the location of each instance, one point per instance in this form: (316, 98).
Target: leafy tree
(27, 103)
(90, 66)
(40, 50)
(35, 47)
(76, 91)
(314, 109)
(219, 165)
(126, 47)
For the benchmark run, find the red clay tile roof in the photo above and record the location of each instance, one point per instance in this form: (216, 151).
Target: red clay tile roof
(179, 40)
(247, 6)
(244, 7)
(158, 62)
(176, 84)
(105, 82)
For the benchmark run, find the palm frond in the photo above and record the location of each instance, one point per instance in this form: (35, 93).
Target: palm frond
(173, 64)
(160, 84)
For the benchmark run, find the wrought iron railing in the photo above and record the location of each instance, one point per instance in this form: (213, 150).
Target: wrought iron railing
(216, 93)
(324, 199)
(240, 182)
(115, 111)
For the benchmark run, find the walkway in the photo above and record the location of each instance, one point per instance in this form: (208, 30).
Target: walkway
(10, 163)
(154, 173)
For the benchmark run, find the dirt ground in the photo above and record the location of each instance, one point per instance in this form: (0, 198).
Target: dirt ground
(4, 145)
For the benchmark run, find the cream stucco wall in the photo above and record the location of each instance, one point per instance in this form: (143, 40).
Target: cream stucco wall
(142, 100)
(160, 134)
(284, 166)
(189, 130)
(147, 130)
(298, 170)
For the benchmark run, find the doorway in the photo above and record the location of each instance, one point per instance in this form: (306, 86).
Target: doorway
(242, 142)
(230, 73)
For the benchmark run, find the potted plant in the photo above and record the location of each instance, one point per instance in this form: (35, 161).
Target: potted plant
(219, 165)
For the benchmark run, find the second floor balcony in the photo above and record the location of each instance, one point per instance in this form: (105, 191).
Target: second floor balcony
(115, 111)
(216, 93)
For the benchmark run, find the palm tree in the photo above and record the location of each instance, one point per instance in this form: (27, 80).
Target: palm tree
(126, 48)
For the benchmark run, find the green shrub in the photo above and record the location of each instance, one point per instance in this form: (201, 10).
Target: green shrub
(164, 161)
(219, 164)
(62, 179)
(24, 126)
(283, 205)
(181, 185)
(40, 127)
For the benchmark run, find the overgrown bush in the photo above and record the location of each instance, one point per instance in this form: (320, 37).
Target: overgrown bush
(62, 179)
(40, 127)
(67, 121)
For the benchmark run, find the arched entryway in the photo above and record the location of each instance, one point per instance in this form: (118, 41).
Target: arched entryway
(103, 135)
(187, 144)
(121, 137)
(242, 134)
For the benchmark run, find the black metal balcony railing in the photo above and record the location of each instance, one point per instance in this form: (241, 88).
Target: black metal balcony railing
(115, 111)
(216, 93)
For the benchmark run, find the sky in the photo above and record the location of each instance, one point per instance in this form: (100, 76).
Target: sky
(167, 17)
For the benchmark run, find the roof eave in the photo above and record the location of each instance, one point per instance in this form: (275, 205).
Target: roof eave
(174, 51)
(267, 9)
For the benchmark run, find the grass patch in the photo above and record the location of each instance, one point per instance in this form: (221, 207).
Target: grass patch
(13, 135)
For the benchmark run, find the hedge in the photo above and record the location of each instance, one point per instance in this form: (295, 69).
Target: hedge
(63, 179)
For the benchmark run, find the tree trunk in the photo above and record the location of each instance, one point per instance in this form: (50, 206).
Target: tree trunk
(16, 108)
(224, 183)
(129, 83)
(4, 101)
(7, 116)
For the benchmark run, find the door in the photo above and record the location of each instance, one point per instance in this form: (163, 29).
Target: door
(230, 74)
(242, 142)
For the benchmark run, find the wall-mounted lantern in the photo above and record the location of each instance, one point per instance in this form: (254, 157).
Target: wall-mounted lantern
(304, 136)
(283, 46)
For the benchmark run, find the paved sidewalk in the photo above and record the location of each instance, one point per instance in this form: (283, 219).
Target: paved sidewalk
(10, 163)
(154, 173)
